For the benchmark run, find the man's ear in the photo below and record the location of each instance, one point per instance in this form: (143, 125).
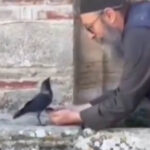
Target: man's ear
(109, 15)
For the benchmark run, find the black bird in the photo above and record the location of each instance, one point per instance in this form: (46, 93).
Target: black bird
(39, 103)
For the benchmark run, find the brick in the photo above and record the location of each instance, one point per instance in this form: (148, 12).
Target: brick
(62, 1)
(35, 73)
(35, 12)
(17, 85)
(53, 15)
(23, 1)
(4, 13)
(8, 13)
(37, 1)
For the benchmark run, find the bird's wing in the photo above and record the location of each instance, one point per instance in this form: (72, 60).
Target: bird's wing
(28, 103)
(38, 103)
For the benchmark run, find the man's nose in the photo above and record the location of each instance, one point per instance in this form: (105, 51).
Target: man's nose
(91, 35)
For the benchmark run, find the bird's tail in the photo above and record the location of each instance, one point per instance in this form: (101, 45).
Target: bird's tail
(19, 113)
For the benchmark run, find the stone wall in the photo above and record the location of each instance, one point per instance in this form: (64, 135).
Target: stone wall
(72, 138)
(36, 42)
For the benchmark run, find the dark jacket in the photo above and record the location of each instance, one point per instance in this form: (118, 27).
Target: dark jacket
(117, 104)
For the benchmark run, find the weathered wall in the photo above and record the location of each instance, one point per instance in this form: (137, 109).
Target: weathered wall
(36, 42)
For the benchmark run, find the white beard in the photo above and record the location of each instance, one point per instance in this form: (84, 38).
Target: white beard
(113, 39)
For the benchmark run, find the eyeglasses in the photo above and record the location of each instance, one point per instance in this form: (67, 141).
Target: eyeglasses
(89, 28)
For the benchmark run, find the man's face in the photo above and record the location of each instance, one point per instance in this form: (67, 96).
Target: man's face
(103, 29)
(93, 25)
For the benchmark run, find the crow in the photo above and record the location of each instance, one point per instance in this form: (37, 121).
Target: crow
(39, 103)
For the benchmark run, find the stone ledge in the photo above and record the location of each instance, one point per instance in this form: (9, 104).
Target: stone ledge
(34, 138)
(25, 134)
(23, 137)
(115, 139)
(32, 132)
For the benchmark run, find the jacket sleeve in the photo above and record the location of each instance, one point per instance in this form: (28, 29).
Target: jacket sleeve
(134, 85)
(106, 95)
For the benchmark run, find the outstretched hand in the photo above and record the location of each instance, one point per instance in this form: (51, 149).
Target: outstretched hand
(65, 117)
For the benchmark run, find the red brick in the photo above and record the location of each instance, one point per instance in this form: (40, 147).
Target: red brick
(17, 85)
(38, 1)
(24, 1)
(54, 15)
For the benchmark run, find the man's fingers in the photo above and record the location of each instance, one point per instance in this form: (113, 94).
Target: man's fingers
(64, 117)
(56, 113)
(53, 114)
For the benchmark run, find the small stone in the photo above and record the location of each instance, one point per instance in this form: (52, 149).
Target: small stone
(97, 144)
(124, 146)
(117, 144)
(88, 132)
(130, 147)
(82, 143)
(21, 132)
(66, 133)
(116, 148)
(108, 144)
(49, 133)
(40, 133)
(31, 134)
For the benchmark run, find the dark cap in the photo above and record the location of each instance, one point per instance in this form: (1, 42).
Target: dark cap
(95, 5)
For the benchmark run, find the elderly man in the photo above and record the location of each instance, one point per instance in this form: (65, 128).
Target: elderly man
(126, 29)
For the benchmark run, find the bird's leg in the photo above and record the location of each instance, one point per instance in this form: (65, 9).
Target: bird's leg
(38, 117)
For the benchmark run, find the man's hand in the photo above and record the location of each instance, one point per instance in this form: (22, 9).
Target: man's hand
(65, 117)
